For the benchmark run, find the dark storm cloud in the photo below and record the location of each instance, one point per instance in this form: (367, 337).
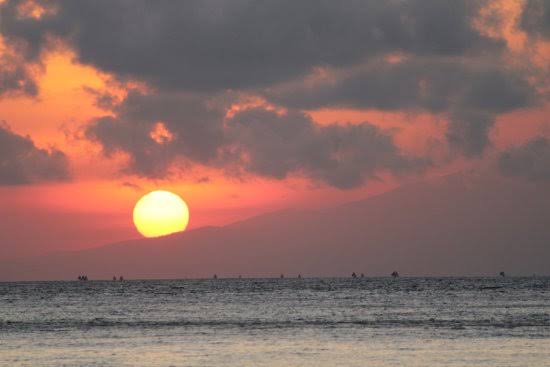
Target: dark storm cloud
(218, 45)
(535, 18)
(21, 162)
(253, 141)
(531, 160)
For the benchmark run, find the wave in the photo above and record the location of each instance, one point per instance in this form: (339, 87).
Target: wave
(532, 321)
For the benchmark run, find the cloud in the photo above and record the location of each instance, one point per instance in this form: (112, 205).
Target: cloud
(530, 161)
(256, 141)
(196, 131)
(468, 131)
(213, 45)
(470, 93)
(535, 18)
(344, 156)
(15, 76)
(190, 53)
(103, 99)
(431, 84)
(21, 162)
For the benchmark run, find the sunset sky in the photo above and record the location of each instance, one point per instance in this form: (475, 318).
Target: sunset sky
(246, 107)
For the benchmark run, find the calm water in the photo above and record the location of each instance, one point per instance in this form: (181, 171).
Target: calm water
(273, 322)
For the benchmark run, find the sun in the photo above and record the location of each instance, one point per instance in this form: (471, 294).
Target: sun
(159, 213)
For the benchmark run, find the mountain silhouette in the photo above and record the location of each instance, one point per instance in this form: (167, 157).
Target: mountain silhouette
(460, 224)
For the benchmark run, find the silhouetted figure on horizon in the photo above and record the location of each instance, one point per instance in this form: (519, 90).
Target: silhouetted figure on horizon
(502, 274)
(282, 276)
(121, 278)
(299, 276)
(353, 275)
(240, 277)
(362, 275)
(395, 274)
(215, 276)
(114, 278)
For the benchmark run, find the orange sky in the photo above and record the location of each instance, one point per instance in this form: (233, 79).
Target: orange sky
(54, 119)
(97, 189)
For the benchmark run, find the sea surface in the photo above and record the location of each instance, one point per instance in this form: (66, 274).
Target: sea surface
(277, 322)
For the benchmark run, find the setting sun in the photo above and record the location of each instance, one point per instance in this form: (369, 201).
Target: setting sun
(160, 213)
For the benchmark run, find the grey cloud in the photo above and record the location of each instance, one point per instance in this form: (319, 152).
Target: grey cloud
(431, 84)
(103, 99)
(218, 45)
(535, 18)
(343, 156)
(471, 93)
(196, 129)
(253, 141)
(530, 161)
(190, 50)
(21, 162)
(15, 78)
(468, 132)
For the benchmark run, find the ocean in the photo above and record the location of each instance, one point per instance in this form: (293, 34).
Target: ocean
(277, 322)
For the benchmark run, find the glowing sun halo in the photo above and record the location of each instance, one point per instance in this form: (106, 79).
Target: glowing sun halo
(159, 213)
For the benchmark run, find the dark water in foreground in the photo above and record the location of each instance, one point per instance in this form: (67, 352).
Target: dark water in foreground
(273, 322)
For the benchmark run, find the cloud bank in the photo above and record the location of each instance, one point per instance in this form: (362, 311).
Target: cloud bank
(216, 45)
(21, 162)
(252, 141)
(197, 57)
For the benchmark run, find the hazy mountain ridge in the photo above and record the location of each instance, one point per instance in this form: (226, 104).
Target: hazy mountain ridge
(452, 225)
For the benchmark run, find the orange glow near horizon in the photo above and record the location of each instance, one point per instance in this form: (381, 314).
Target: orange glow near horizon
(66, 102)
(216, 199)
